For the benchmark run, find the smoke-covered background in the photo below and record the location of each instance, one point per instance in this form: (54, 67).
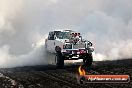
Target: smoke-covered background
(24, 25)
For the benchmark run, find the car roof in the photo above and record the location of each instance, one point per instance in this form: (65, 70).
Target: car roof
(62, 31)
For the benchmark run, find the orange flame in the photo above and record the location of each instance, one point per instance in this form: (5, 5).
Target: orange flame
(81, 71)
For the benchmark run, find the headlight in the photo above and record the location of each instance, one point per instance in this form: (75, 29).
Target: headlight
(67, 46)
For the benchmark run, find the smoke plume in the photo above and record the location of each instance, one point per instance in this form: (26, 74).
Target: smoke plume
(25, 23)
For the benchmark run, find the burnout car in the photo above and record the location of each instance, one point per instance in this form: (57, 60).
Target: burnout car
(69, 45)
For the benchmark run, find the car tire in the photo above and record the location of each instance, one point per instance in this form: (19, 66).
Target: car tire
(88, 60)
(59, 60)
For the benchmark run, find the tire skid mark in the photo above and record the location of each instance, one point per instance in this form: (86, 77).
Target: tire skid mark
(9, 82)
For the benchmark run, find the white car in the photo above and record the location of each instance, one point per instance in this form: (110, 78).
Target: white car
(69, 45)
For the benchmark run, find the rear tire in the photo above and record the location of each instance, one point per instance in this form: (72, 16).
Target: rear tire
(88, 60)
(59, 60)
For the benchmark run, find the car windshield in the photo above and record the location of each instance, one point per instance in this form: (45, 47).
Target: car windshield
(63, 35)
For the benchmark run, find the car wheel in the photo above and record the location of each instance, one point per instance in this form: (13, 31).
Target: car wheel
(88, 60)
(59, 60)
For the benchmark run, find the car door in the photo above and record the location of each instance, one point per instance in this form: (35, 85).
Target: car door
(51, 43)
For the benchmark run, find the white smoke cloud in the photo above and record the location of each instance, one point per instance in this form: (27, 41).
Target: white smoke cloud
(25, 22)
(111, 36)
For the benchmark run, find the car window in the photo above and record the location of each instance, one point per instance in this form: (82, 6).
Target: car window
(63, 35)
(51, 36)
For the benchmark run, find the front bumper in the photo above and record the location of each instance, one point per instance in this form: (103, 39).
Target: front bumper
(75, 54)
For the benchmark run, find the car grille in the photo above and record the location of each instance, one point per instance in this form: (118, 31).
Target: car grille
(67, 46)
(77, 46)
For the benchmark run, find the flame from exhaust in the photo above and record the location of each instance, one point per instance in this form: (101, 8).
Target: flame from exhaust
(81, 71)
